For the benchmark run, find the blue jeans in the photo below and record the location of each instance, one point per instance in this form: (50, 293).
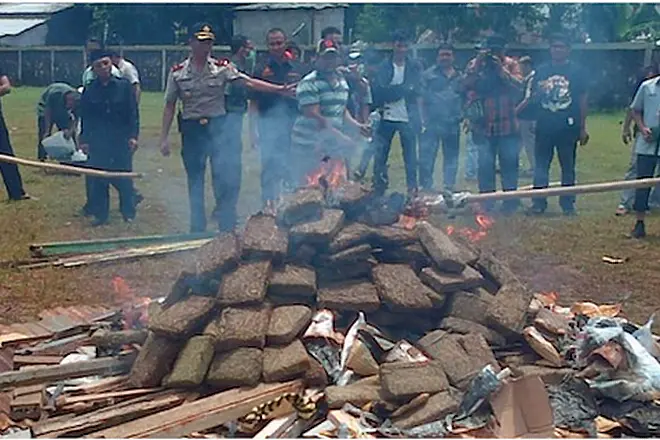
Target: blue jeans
(384, 136)
(472, 157)
(274, 145)
(565, 141)
(428, 153)
(506, 149)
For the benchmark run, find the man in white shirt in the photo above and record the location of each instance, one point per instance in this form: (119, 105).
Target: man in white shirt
(396, 89)
(129, 71)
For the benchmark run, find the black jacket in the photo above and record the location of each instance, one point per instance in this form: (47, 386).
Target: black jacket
(410, 90)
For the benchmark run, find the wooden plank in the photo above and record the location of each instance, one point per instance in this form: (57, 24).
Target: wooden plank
(59, 347)
(21, 360)
(201, 415)
(275, 428)
(108, 417)
(102, 385)
(94, 367)
(70, 400)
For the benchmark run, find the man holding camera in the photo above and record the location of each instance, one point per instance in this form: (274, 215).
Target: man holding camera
(494, 82)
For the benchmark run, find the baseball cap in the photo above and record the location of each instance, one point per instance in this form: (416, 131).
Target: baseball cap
(98, 54)
(202, 32)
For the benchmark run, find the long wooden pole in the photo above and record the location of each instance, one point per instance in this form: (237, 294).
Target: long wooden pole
(563, 190)
(69, 168)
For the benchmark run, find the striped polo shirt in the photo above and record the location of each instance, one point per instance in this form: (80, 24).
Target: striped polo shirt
(314, 89)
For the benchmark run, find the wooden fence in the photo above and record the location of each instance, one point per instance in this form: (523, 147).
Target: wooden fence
(611, 68)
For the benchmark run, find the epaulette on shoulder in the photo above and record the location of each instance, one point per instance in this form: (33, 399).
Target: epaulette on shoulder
(177, 67)
(222, 62)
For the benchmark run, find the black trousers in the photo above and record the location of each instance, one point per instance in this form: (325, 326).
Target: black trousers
(565, 142)
(111, 157)
(384, 135)
(645, 169)
(10, 174)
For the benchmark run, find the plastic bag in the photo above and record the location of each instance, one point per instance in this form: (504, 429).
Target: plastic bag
(645, 337)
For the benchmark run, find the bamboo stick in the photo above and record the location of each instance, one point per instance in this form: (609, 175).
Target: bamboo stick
(69, 168)
(563, 190)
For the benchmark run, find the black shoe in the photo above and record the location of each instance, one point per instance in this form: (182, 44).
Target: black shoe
(639, 231)
(137, 199)
(128, 219)
(99, 222)
(535, 210)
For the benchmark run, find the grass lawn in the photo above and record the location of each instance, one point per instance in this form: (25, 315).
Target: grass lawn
(551, 253)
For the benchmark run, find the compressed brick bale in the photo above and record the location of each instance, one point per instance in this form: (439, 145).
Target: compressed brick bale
(285, 363)
(347, 256)
(349, 295)
(183, 318)
(413, 320)
(292, 300)
(352, 197)
(246, 285)
(448, 350)
(392, 237)
(495, 272)
(443, 283)
(359, 393)
(286, 323)
(436, 408)
(181, 289)
(319, 232)
(508, 311)
(236, 368)
(444, 252)
(412, 254)
(344, 272)
(264, 240)
(303, 254)
(407, 379)
(400, 288)
(154, 361)
(353, 234)
(240, 327)
(464, 327)
(471, 306)
(476, 346)
(315, 375)
(293, 280)
(192, 364)
(217, 256)
(303, 205)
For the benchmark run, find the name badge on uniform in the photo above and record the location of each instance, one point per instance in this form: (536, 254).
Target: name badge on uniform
(570, 121)
(187, 94)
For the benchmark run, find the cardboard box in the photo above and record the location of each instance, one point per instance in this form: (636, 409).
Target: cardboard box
(522, 409)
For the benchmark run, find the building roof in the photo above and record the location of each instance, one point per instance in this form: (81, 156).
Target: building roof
(280, 6)
(32, 9)
(16, 26)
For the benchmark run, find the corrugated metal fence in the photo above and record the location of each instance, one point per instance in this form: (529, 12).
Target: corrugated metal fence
(611, 68)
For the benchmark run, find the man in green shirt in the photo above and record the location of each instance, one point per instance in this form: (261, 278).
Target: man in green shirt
(57, 106)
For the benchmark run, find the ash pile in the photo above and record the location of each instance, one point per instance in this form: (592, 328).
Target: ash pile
(328, 318)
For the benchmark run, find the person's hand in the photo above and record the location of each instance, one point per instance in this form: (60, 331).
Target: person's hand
(626, 136)
(466, 126)
(289, 90)
(365, 130)
(133, 144)
(84, 148)
(66, 133)
(646, 133)
(584, 137)
(164, 147)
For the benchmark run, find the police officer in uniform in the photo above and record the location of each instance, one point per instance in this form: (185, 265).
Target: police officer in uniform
(199, 83)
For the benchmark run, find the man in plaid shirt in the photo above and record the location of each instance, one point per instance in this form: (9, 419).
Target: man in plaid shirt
(494, 84)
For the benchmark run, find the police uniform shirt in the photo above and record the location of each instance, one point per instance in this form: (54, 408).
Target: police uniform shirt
(202, 94)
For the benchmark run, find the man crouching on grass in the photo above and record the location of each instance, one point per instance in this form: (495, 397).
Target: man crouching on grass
(646, 113)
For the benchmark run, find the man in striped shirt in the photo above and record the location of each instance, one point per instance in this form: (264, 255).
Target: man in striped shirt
(319, 130)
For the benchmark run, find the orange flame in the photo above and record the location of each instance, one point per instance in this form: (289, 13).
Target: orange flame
(332, 170)
(484, 223)
(134, 308)
(406, 222)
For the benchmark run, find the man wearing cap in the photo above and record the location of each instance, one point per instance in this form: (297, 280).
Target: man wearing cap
(109, 135)
(58, 107)
(559, 92)
(396, 88)
(199, 83)
(494, 86)
(319, 131)
(272, 116)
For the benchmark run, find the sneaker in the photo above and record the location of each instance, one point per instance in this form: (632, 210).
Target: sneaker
(639, 231)
(621, 210)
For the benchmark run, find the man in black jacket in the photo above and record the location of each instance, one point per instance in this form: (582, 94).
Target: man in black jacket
(396, 88)
(109, 116)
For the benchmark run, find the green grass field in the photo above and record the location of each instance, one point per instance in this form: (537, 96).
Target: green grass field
(551, 252)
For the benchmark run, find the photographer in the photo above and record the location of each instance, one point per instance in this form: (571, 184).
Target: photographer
(495, 83)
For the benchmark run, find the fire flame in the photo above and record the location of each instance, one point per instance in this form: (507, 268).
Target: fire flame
(134, 308)
(332, 173)
(483, 222)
